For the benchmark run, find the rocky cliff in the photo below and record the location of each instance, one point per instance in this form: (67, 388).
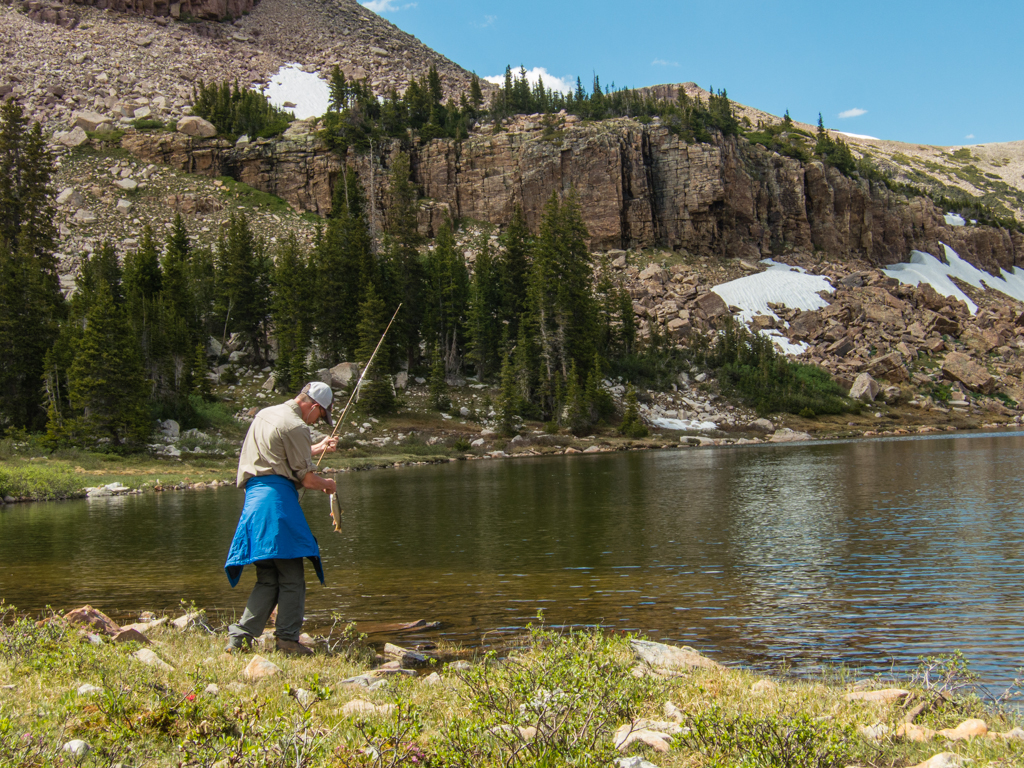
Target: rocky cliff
(639, 185)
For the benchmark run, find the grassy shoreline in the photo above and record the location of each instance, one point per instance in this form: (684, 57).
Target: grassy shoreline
(66, 475)
(556, 698)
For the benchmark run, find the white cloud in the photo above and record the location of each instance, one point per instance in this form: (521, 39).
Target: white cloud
(382, 6)
(487, 22)
(560, 84)
(855, 112)
(969, 136)
(663, 63)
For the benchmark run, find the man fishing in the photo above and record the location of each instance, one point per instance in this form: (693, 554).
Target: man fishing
(276, 460)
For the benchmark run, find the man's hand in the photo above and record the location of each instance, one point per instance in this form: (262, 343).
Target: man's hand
(327, 445)
(314, 482)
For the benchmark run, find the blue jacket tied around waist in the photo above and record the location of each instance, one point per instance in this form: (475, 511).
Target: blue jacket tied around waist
(272, 526)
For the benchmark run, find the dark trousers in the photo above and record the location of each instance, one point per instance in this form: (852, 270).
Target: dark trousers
(281, 583)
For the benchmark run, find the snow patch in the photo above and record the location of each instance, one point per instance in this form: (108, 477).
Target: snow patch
(858, 136)
(684, 424)
(779, 284)
(925, 268)
(309, 92)
(955, 220)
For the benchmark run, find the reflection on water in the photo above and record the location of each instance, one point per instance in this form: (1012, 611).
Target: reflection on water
(868, 553)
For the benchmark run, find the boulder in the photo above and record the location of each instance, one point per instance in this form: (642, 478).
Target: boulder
(786, 435)
(193, 125)
(128, 185)
(150, 659)
(960, 367)
(402, 380)
(76, 137)
(129, 635)
(945, 760)
(270, 383)
(344, 373)
(77, 748)
(864, 388)
(359, 707)
(89, 121)
(70, 197)
(889, 367)
(94, 619)
(324, 375)
(170, 428)
(711, 306)
(761, 425)
(968, 729)
(407, 658)
(669, 657)
(260, 668)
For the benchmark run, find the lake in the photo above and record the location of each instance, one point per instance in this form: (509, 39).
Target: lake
(866, 553)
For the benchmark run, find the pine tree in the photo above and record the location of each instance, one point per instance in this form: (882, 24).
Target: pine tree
(243, 285)
(176, 267)
(342, 266)
(107, 384)
(290, 310)
(509, 403)
(446, 299)
(513, 267)
(405, 270)
(30, 300)
(438, 384)
(631, 425)
(577, 416)
(564, 309)
(141, 273)
(338, 90)
(484, 326)
(378, 392)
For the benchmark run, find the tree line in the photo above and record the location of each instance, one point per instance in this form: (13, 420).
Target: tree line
(132, 343)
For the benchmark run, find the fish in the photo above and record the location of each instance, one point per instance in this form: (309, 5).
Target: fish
(336, 512)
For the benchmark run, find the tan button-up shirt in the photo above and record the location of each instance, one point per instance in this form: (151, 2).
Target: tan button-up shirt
(278, 443)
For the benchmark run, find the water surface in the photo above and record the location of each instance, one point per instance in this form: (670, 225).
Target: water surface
(867, 553)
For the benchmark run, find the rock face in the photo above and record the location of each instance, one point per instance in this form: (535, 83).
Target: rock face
(639, 186)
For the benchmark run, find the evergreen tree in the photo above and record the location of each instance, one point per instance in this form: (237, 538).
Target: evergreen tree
(378, 392)
(446, 299)
(509, 402)
(290, 310)
(438, 385)
(342, 266)
(577, 416)
(141, 273)
(485, 326)
(405, 271)
(108, 388)
(243, 285)
(30, 300)
(632, 425)
(176, 282)
(562, 294)
(338, 90)
(513, 267)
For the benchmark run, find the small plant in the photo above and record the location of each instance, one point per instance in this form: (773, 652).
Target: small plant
(771, 741)
(945, 674)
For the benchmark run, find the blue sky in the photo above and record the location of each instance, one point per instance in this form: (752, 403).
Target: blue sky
(933, 73)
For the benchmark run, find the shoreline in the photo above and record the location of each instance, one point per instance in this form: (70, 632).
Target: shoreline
(223, 468)
(162, 692)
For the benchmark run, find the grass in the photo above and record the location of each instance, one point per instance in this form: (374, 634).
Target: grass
(554, 698)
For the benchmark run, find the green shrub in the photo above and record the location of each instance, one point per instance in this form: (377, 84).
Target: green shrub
(39, 482)
(750, 367)
(771, 741)
(574, 688)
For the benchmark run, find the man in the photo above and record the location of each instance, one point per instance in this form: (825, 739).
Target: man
(277, 459)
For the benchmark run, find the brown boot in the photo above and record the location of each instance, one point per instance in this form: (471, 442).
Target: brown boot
(293, 648)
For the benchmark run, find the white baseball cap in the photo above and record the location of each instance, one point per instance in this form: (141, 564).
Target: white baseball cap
(322, 396)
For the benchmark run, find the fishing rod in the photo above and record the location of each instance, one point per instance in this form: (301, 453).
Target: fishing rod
(335, 506)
